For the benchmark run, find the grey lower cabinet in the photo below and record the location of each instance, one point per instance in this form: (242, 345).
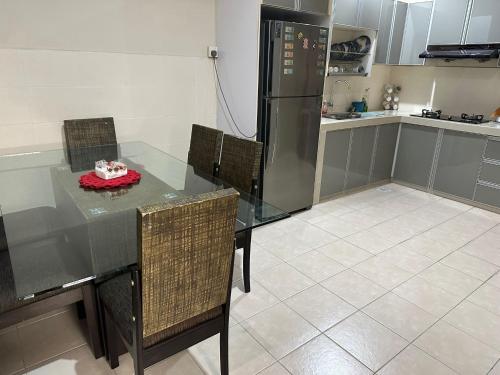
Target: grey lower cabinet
(488, 185)
(357, 157)
(415, 156)
(335, 162)
(360, 157)
(385, 147)
(459, 162)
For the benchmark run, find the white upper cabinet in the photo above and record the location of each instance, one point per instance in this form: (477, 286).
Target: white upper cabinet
(369, 14)
(314, 6)
(448, 21)
(345, 12)
(288, 4)
(357, 13)
(310, 6)
(484, 25)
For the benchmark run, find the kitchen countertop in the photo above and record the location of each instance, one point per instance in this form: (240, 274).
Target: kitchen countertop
(488, 128)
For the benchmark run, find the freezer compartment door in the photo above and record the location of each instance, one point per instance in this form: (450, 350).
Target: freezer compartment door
(297, 66)
(290, 150)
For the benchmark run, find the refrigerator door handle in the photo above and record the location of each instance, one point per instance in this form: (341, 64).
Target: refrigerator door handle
(275, 143)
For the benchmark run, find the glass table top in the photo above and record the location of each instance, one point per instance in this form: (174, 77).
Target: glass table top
(57, 234)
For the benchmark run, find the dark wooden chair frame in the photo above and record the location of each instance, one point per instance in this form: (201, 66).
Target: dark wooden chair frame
(145, 357)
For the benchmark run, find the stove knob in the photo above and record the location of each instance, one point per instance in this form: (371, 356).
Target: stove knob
(450, 118)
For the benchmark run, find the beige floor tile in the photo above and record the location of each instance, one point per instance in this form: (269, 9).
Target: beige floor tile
(11, 355)
(339, 226)
(354, 288)
(367, 340)
(477, 322)
(276, 369)
(245, 305)
(321, 356)
(345, 253)
(485, 247)
(487, 296)
(495, 370)
(487, 214)
(283, 281)
(470, 265)
(266, 233)
(413, 361)
(246, 355)
(435, 243)
(75, 362)
(314, 215)
(382, 272)
(320, 307)
(261, 259)
(450, 280)
(370, 241)
(316, 265)
(392, 231)
(287, 246)
(403, 317)
(457, 350)
(280, 330)
(427, 296)
(311, 235)
(406, 259)
(495, 280)
(51, 337)
(181, 363)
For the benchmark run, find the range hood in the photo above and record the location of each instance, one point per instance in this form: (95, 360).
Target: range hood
(462, 51)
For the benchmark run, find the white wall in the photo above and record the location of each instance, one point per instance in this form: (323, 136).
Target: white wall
(142, 62)
(237, 30)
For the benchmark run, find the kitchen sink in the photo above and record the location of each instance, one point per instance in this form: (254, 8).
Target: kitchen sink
(342, 115)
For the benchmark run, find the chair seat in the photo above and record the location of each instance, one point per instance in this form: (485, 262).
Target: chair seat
(116, 294)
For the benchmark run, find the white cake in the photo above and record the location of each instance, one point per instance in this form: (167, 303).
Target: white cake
(108, 170)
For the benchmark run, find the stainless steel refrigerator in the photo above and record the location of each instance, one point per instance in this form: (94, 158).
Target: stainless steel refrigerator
(292, 71)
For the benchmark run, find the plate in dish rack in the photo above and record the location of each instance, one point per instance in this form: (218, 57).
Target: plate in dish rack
(92, 181)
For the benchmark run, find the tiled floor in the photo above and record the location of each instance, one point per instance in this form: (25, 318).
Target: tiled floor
(389, 281)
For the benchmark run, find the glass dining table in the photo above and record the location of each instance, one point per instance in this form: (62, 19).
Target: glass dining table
(59, 234)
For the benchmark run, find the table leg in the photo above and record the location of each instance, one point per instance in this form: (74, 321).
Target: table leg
(92, 314)
(246, 259)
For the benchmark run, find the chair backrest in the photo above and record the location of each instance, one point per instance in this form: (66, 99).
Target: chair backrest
(185, 256)
(240, 162)
(205, 147)
(89, 140)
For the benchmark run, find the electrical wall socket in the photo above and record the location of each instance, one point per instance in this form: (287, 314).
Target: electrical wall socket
(213, 52)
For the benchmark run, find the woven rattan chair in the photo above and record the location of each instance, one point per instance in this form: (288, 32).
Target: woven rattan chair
(205, 148)
(181, 291)
(89, 140)
(240, 163)
(240, 166)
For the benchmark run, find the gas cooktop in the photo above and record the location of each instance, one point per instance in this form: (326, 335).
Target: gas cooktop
(464, 117)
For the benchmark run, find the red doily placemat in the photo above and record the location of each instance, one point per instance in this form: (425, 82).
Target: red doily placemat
(92, 181)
